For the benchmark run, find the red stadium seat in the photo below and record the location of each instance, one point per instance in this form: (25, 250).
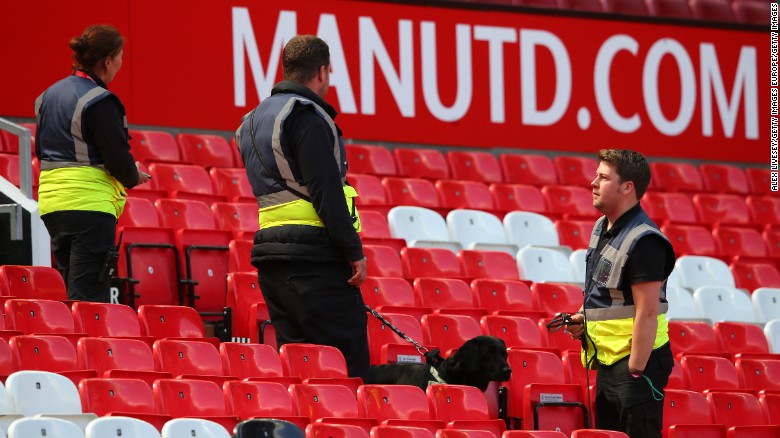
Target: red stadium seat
(189, 398)
(138, 212)
(328, 430)
(388, 291)
(374, 225)
(8, 361)
(574, 371)
(677, 378)
(691, 240)
(385, 346)
(154, 147)
(189, 360)
(582, 5)
(740, 242)
(183, 213)
(515, 331)
(447, 295)
(332, 404)
(474, 166)
(421, 163)
(243, 291)
(504, 296)
(370, 189)
(721, 209)
(120, 358)
(430, 262)
(205, 263)
(372, 160)
(33, 282)
(240, 218)
(676, 176)
(676, 208)
(511, 197)
(205, 150)
(575, 171)
(317, 364)
(765, 210)
(770, 402)
(257, 362)
(496, 265)
(751, 12)
(46, 317)
(397, 405)
(736, 409)
(51, 353)
(9, 168)
(740, 337)
(693, 337)
(558, 297)
(760, 181)
(411, 191)
(669, 8)
(384, 431)
(560, 340)
(120, 397)
(462, 407)
(759, 374)
(686, 408)
(570, 201)
(383, 261)
(162, 321)
(106, 320)
(712, 10)
(724, 178)
(772, 240)
(233, 183)
(261, 400)
(448, 332)
(464, 194)
(175, 178)
(710, 372)
(530, 169)
(239, 259)
(626, 7)
(750, 276)
(534, 433)
(574, 233)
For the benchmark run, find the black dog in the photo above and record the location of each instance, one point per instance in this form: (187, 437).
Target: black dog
(477, 362)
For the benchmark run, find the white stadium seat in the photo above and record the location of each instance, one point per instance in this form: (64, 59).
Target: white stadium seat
(193, 427)
(681, 304)
(697, 271)
(722, 303)
(577, 261)
(44, 393)
(540, 264)
(44, 427)
(524, 228)
(766, 303)
(120, 427)
(772, 332)
(420, 227)
(475, 229)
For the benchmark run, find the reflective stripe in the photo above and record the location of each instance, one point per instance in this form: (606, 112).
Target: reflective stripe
(82, 150)
(277, 198)
(276, 145)
(617, 297)
(594, 235)
(622, 312)
(620, 256)
(49, 165)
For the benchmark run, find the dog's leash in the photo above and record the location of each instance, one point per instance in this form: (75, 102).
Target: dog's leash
(432, 356)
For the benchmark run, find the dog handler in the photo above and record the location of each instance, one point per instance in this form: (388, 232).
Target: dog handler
(307, 252)
(82, 144)
(626, 331)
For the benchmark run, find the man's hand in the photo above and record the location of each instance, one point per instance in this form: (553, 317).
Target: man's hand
(142, 176)
(359, 269)
(577, 329)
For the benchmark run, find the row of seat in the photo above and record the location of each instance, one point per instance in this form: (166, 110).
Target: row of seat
(742, 11)
(117, 426)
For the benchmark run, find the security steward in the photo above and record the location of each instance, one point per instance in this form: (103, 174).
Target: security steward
(626, 332)
(82, 144)
(307, 251)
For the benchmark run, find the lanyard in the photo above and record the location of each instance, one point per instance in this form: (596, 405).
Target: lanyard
(81, 74)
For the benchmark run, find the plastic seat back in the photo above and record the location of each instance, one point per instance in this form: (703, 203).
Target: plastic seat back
(544, 264)
(44, 352)
(497, 265)
(681, 304)
(385, 402)
(415, 192)
(372, 160)
(250, 360)
(736, 408)
(383, 261)
(474, 166)
(188, 398)
(206, 150)
(370, 189)
(720, 303)
(524, 228)
(181, 177)
(154, 146)
(672, 207)
(106, 354)
(388, 291)
(741, 337)
(153, 265)
(751, 276)
(697, 271)
(185, 213)
(444, 293)
(685, 407)
(575, 170)
(267, 427)
(448, 331)
(766, 303)
(691, 240)
(105, 319)
(722, 178)
(309, 360)
(554, 298)
(386, 346)
(243, 291)
(570, 201)
(497, 296)
(723, 209)
(38, 316)
(258, 399)
(236, 216)
(30, 393)
(676, 176)
(239, 259)
(421, 163)
(138, 212)
(574, 233)
(513, 197)
(417, 224)
(515, 331)
(120, 427)
(104, 396)
(194, 427)
(162, 321)
(187, 358)
(759, 374)
(531, 169)
(470, 227)
(693, 337)
(710, 372)
(430, 262)
(44, 427)
(322, 400)
(232, 182)
(464, 194)
(34, 282)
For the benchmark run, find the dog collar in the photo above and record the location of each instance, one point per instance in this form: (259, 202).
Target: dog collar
(435, 377)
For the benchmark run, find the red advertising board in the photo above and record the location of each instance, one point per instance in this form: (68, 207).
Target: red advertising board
(422, 74)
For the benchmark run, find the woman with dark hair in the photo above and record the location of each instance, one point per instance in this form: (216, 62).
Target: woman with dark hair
(86, 165)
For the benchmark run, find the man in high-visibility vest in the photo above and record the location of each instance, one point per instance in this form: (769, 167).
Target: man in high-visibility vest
(308, 254)
(625, 330)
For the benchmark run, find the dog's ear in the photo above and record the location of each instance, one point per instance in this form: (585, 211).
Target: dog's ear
(468, 355)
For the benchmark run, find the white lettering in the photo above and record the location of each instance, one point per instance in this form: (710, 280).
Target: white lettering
(661, 48)
(745, 87)
(602, 91)
(244, 40)
(328, 30)
(496, 37)
(532, 115)
(401, 83)
(430, 72)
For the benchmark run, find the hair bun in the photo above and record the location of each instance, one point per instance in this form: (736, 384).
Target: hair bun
(79, 44)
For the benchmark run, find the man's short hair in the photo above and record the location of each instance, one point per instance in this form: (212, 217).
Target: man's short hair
(303, 56)
(630, 166)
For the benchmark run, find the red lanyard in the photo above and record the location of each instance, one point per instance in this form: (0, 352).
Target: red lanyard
(81, 74)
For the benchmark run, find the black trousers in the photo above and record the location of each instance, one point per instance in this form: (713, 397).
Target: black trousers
(629, 404)
(311, 302)
(80, 241)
